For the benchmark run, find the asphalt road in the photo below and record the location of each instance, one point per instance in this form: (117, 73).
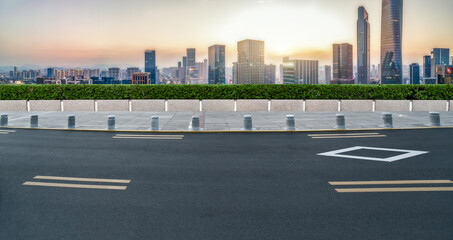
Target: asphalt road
(224, 186)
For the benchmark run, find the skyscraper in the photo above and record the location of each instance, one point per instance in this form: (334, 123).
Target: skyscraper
(50, 72)
(150, 65)
(250, 64)
(439, 57)
(270, 74)
(426, 66)
(414, 73)
(130, 71)
(363, 47)
(191, 57)
(342, 64)
(114, 73)
(328, 74)
(391, 42)
(216, 59)
(300, 71)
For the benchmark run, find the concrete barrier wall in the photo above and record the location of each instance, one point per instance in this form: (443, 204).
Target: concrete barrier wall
(228, 105)
(357, 105)
(183, 105)
(252, 105)
(14, 105)
(45, 105)
(218, 105)
(148, 105)
(287, 105)
(78, 105)
(113, 105)
(429, 105)
(321, 105)
(393, 105)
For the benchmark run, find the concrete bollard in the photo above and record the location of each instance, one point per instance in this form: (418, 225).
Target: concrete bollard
(4, 120)
(290, 123)
(111, 122)
(34, 121)
(341, 122)
(388, 120)
(196, 123)
(434, 118)
(71, 121)
(155, 123)
(248, 123)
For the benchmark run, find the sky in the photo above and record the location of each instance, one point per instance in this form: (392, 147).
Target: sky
(79, 33)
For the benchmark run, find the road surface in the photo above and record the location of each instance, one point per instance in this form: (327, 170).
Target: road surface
(394, 184)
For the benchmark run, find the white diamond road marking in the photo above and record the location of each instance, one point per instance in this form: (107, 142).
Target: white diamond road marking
(406, 154)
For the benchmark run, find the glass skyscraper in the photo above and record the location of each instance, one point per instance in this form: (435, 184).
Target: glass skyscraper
(150, 65)
(439, 57)
(250, 65)
(216, 69)
(391, 42)
(414, 73)
(191, 57)
(426, 66)
(363, 47)
(343, 69)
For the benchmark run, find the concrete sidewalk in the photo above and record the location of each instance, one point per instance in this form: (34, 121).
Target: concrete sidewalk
(224, 121)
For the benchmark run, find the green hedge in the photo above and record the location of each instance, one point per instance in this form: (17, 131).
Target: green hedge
(74, 92)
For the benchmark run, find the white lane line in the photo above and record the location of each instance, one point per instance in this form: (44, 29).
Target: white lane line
(5, 133)
(403, 182)
(82, 179)
(65, 185)
(384, 190)
(339, 137)
(149, 138)
(349, 134)
(133, 135)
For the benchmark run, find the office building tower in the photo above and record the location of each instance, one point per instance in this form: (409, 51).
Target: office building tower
(363, 47)
(50, 72)
(300, 71)
(191, 57)
(250, 63)
(342, 64)
(150, 65)
(414, 69)
(427, 67)
(130, 71)
(216, 58)
(327, 74)
(439, 57)
(141, 78)
(192, 75)
(114, 73)
(270, 72)
(15, 73)
(203, 73)
(184, 62)
(391, 42)
(444, 74)
(235, 73)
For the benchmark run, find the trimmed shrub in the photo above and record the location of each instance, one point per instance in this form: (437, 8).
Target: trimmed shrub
(360, 92)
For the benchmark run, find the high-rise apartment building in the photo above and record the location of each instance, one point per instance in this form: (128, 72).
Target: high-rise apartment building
(150, 65)
(191, 57)
(235, 73)
(342, 64)
(130, 71)
(327, 74)
(216, 58)
(439, 57)
(114, 73)
(270, 74)
(203, 73)
(363, 47)
(414, 69)
(391, 42)
(300, 71)
(50, 72)
(250, 63)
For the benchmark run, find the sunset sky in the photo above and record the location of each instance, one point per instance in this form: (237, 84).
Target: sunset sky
(70, 33)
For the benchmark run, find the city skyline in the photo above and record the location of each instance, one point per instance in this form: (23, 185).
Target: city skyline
(108, 37)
